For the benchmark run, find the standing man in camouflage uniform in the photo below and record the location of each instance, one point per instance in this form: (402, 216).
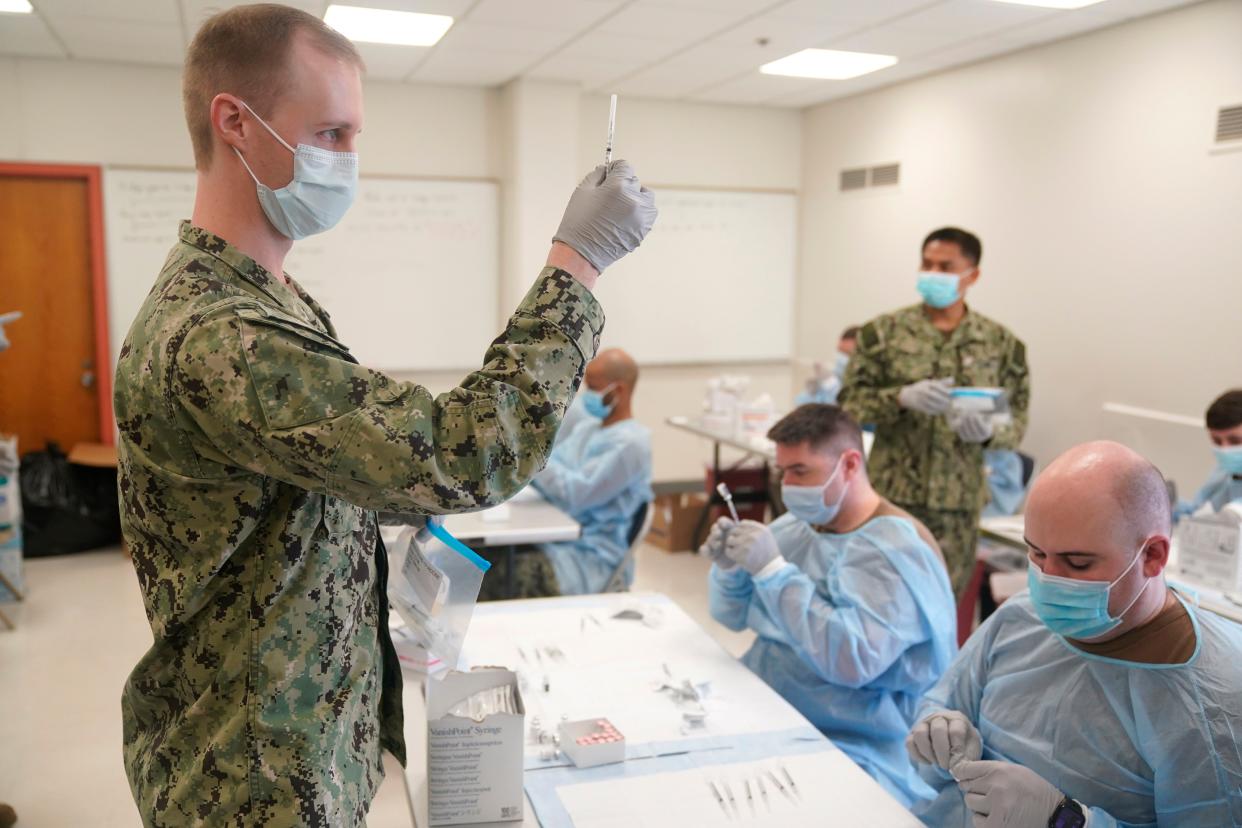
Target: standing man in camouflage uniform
(255, 450)
(900, 378)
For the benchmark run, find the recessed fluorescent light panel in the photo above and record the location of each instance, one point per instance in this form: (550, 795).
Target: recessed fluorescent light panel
(828, 64)
(1052, 4)
(15, 7)
(398, 28)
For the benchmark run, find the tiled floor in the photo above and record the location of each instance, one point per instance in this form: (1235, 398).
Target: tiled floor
(79, 634)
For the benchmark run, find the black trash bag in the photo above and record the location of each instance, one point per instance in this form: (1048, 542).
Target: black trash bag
(65, 507)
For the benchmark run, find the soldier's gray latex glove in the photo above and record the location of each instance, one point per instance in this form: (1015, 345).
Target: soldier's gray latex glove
(973, 426)
(714, 546)
(930, 396)
(944, 738)
(608, 215)
(753, 546)
(1005, 795)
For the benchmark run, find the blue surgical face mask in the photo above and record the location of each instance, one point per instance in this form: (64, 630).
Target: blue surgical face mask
(840, 363)
(1229, 458)
(1076, 609)
(593, 402)
(940, 290)
(322, 190)
(806, 503)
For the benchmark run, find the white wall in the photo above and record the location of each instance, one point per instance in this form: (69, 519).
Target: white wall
(114, 113)
(697, 145)
(1111, 232)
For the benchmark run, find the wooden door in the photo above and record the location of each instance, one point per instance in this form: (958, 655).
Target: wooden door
(49, 375)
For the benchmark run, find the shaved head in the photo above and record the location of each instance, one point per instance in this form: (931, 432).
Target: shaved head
(1100, 512)
(1107, 483)
(614, 373)
(614, 365)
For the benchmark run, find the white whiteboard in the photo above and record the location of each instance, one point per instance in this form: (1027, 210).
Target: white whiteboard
(410, 275)
(712, 282)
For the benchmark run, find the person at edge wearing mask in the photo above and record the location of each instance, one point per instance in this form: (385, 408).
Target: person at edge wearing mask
(823, 384)
(1100, 697)
(255, 452)
(848, 595)
(599, 473)
(900, 381)
(1224, 485)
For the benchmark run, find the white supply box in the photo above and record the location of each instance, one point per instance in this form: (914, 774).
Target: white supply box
(474, 767)
(1209, 550)
(591, 742)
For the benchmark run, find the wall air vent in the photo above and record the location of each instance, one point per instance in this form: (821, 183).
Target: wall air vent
(854, 179)
(885, 175)
(1229, 124)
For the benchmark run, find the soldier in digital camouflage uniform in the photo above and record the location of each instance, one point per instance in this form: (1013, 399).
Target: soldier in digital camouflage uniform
(927, 459)
(255, 451)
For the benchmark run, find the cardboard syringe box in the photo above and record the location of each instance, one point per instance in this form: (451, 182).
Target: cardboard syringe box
(474, 769)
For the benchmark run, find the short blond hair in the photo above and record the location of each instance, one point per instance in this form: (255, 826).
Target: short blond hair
(245, 51)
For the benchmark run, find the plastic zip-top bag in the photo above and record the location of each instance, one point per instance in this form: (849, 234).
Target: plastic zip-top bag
(437, 590)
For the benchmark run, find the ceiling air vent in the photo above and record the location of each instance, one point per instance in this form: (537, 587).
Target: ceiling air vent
(854, 179)
(1229, 124)
(885, 175)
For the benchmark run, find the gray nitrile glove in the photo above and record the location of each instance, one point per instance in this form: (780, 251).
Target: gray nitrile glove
(1005, 795)
(752, 545)
(608, 215)
(945, 738)
(930, 396)
(973, 427)
(714, 546)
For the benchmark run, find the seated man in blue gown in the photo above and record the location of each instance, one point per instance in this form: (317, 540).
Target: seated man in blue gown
(1099, 698)
(849, 596)
(1224, 485)
(600, 474)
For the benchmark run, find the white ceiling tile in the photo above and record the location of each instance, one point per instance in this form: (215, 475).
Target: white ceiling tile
(624, 48)
(754, 88)
(645, 19)
(783, 37)
(453, 8)
(388, 62)
(970, 52)
(586, 72)
(890, 40)
(474, 36)
(26, 35)
(738, 6)
(852, 13)
(689, 71)
(151, 11)
(131, 41)
(1066, 24)
(971, 18)
(551, 15)
(465, 66)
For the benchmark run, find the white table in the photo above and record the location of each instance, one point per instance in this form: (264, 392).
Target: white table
(525, 519)
(613, 669)
(755, 444)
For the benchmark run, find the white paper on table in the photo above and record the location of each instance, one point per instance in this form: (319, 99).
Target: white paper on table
(831, 790)
(632, 656)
